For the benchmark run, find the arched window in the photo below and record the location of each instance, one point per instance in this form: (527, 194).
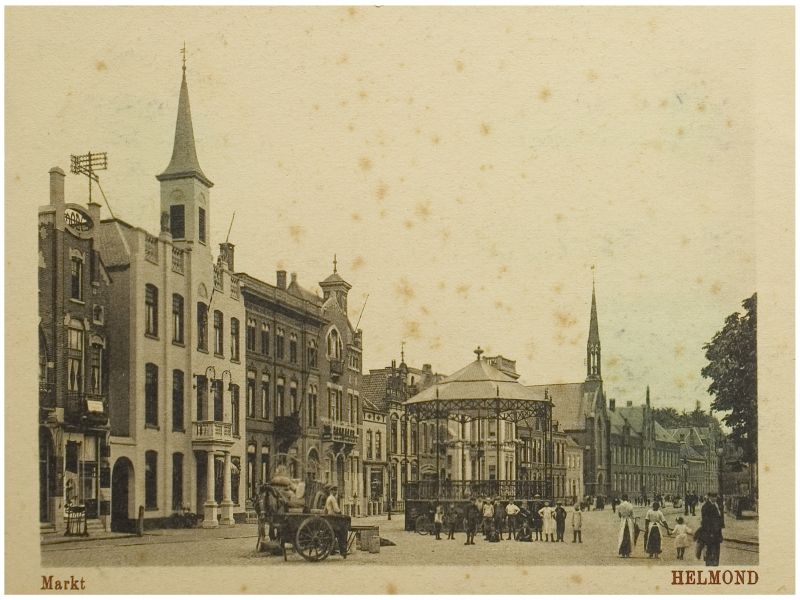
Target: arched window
(312, 406)
(265, 396)
(264, 338)
(202, 326)
(393, 434)
(312, 353)
(250, 335)
(280, 409)
(369, 444)
(251, 394)
(76, 278)
(235, 339)
(334, 345)
(293, 396)
(177, 318)
(378, 449)
(218, 335)
(293, 347)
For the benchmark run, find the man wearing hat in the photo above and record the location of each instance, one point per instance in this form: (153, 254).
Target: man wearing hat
(331, 504)
(710, 532)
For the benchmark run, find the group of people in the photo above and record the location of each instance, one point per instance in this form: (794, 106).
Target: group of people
(537, 520)
(708, 536)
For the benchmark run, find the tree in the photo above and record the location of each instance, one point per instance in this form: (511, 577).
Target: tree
(732, 369)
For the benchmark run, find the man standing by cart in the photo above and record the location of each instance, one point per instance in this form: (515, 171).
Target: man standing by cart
(332, 508)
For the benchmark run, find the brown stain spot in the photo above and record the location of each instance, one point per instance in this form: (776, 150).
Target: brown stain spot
(766, 468)
(460, 200)
(591, 75)
(698, 280)
(729, 123)
(685, 240)
(382, 214)
(663, 104)
(412, 330)
(423, 210)
(408, 224)
(565, 320)
(404, 290)
(701, 107)
(343, 59)
(316, 107)
(382, 191)
(435, 139)
(559, 217)
(101, 65)
(355, 217)
(486, 129)
(364, 163)
(502, 270)
(445, 235)
(679, 383)
(613, 361)
(363, 94)
(352, 11)
(576, 579)
(544, 94)
(460, 66)
(351, 127)
(243, 589)
(463, 290)
(524, 571)
(679, 350)
(295, 232)
(281, 265)
(558, 288)
(441, 285)
(424, 310)
(466, 575)
(358, 263)
(716, 288)
(680, 132)
(391, 588)
(343, 103)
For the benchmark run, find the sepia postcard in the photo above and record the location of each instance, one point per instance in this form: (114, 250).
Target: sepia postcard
(318, 288)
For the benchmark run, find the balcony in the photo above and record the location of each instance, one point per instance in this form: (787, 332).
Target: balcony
(177, 260)
(151, 248)
(337, 367)
(339, 432)
(89, 410)
(212, 433)
(47, 397)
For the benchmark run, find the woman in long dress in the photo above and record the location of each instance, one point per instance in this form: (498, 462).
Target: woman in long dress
(653, 521)
(626, 537)
(547, 513)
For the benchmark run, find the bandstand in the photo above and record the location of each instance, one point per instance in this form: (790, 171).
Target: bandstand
(479, 411)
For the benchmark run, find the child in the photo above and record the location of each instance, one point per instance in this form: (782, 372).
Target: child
(681, 533)
(577, 521)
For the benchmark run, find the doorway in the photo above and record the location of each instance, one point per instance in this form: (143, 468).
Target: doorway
(122, 492)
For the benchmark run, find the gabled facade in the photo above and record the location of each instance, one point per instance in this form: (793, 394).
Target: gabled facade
(74, 346)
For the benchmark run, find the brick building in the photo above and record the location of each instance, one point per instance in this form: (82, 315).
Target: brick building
(74, 343)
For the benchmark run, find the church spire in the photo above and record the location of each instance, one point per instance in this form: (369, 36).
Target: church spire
(593, 343)
(184, 163)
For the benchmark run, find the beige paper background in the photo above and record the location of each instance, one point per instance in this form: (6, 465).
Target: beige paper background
(770, 118)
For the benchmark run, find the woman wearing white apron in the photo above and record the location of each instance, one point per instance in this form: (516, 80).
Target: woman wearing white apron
(626, 537)
(547, 513)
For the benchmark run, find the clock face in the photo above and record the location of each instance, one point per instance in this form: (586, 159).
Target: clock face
(77, 219)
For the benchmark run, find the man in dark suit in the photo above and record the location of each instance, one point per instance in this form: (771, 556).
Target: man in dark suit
(711, 524)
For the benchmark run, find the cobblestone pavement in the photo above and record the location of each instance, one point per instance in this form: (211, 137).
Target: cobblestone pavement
(236, 546)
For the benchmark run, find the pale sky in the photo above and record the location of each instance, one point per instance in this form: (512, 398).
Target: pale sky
(467, 166)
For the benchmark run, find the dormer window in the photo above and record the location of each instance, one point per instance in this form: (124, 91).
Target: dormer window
(334, 345)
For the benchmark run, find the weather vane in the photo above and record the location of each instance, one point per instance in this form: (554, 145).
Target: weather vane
(183, 52)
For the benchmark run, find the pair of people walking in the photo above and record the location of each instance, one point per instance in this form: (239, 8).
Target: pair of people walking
(553, 522)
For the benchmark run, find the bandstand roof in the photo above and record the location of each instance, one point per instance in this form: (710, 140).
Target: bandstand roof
(479, 390)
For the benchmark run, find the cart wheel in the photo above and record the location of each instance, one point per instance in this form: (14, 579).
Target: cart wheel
(423, 525)
(315, 539)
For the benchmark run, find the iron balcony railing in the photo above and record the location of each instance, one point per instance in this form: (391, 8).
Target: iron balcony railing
(81, 408)
(213, 431)
(339, 431)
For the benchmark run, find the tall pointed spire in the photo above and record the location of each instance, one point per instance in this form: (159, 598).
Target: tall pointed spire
(593, 343)
(647, 398)
(184, 161)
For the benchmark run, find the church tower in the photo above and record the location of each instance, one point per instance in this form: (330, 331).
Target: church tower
(335, 286)
(593, 344)
(185, 189)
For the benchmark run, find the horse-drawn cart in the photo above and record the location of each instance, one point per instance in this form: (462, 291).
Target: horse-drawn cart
(289, 518)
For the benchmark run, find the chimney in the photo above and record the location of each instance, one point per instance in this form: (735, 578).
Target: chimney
(697, 405)
(629, 403)
(612, 404)
(57, 177)
(226, 252)
(427, 368)
(94, 212)
(294, 278)
(282, 280)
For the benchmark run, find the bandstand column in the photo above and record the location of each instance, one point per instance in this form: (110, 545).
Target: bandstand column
(226, 508)
(210, 505)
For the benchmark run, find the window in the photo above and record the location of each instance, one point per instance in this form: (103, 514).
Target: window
(264, 338)
(312, 406)
(251, 393)
(279, 342)
(177, 400)
(235, 339)
(339, 405)
(312, 353)
(378, 445)
(404, 439)
(265, 463)
(177, 481)
(151, 480)
(369, 445)
(97, 369)
(151, 394)
(393, 441)
(331, 404)
(250, 340)
(293, 396)
(293, 348)
(218, 408)
(202, 397)
(177, 221)
(76, 278)
(201, 221)
(177, 318)
(235, 409)
(202, 326)
(151, 310)
(334, 345)
(218, 350)
(265, 396)
(414, 439)
(75, 357)
(279, 407)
